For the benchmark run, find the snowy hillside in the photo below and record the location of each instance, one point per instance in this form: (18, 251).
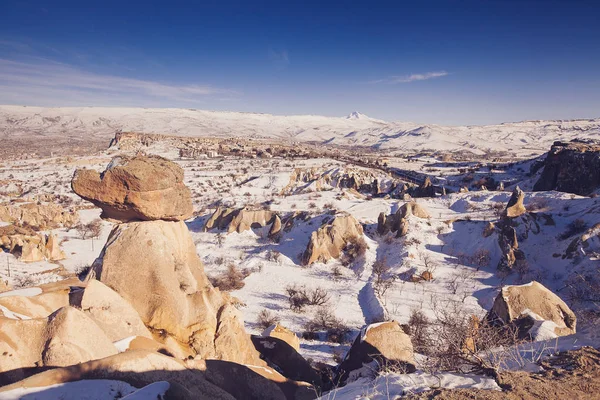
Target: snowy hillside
(519, 138)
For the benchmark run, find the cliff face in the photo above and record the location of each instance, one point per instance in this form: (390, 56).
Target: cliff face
(572, 167)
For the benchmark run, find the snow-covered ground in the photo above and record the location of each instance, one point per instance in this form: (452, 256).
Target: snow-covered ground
(444, 244)
(518, 138)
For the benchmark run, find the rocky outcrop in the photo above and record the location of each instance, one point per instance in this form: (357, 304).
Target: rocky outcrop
(385, 342)
(284, 334)
(240, 220)
(509, 245)
(398, 222)
(117, 318)
(515, 206)
(283, 357)
(275, 229)
(66, 337)
(17, 305)
(330, 239)
(142, 188)
(153, 265)
(572, 167)
(29, 246)
(426, 189)
(38, 216)
(534, 310)
(587, 243)
(138, 368)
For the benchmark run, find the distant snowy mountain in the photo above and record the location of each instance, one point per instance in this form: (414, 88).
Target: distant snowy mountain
(356, 129)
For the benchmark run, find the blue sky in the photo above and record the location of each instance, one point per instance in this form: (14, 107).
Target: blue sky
(447, 62)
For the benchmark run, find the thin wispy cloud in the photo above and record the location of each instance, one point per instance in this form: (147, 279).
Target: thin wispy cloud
(411, 78)
(42, 80)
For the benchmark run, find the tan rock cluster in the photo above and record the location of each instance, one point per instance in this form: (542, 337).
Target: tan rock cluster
(30, 246)
(40, 216)
(529, 304)
(136, 189)
(384, 342)
(242, 219)
(398, 222)
(330, 239)
(515, 206)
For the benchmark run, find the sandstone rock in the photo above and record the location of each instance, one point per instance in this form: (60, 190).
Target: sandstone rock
(53, 251)
(4, 286)
(572, 167)
(140, 188)
(252, 382)
(275, 227)
(489, 229)
(528, 306)
(239, 220)
(385, 342)
(117, 318)
(66, 337)
(330, 239)
(31, 252)
(154, 267)
(284, 334)
(37, 306)
(41, 216)
(398, 222)
(28, 245)
(382, 226)
(426, 189)
(515, 206)
(286, 359)
(138, 368)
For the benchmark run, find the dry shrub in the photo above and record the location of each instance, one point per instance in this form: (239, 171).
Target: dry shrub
(266, 319)
(383, 278)
(232, 279)
(481, 258)
(575, 227)
(325, 321)
(300, 297)
(354, 248)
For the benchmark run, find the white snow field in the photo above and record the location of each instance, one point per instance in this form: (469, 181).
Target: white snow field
(443, 244)
(517, 138)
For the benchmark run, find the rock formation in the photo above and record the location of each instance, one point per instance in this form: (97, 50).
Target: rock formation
(330, 239)
(284, 334)
(153, 264)
(29, 246)
(240, 220)
(398, 222)
(534, 310)
(39, 216)
(515, 206)
(65, 338)
(136, 189)
(384, 342)
(572, 167)
(426, 189)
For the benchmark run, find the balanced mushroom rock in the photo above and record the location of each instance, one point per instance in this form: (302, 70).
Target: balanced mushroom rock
(515, 206)
(384, 342)
(534, 310)
(154, 267)
(330, 239)
(140, 188)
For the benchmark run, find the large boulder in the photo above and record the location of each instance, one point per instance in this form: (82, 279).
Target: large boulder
(386, 343)
(154, 267)
(138, 368)
(142, 188)
(66, 337)
(534, 310)
(330, 239)
(240, 220)
(515, 206)
(281, 332)
(115, 316)
(32, 303)
(286, 359)
(572, 167)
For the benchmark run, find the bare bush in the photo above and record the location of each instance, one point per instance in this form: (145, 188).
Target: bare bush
(300, 297)
(354, 248)
(232, 279)
(266, 319)
(575, 227)
(325, 321)
(383, 278)
(418, 326)
(481, 258)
